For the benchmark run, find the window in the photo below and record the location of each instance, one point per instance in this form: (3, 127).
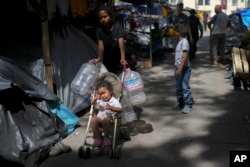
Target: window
(207, 2)
(172, 2)
(200, 2)
(235, 2)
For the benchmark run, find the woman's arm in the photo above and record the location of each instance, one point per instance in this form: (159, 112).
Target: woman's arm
(122, 50)
(100, 49)
(100, 52)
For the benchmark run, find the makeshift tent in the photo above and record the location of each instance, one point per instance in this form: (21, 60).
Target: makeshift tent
(70, 48)
(27, 126)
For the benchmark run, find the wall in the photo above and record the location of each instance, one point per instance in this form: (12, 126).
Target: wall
(210, 8)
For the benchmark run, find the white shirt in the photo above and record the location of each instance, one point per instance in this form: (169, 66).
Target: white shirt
(104, 113)
(181, 46)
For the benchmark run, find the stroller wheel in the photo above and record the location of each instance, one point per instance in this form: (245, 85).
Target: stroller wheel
(80, 152)
(87, 152)
(84, 153)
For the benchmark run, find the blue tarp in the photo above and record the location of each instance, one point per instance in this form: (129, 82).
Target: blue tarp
(245, 15)
(155, 10)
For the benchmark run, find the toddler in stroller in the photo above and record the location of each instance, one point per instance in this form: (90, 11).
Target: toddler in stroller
(106, 118)
(107, 105)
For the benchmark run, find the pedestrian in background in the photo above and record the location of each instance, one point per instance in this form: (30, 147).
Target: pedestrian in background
(218, 25)
(205, 19)
(110, 39)
(156, 36)
(182, 72)
(196, 31)
(177, 18)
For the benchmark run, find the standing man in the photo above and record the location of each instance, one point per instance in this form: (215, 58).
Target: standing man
(197, 33)
(217, 26)
(177, 18)
(205, 18)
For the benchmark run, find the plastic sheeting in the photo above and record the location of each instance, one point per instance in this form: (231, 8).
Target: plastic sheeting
(70, 48)
(63, 6)
(245, 15)
(27, 126)
(235, 32)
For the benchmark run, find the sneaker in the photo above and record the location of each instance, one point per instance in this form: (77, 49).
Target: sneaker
(55, 151)
(97, 142)
(107, 142)
(186, 109)
(58, 149)
(177, 106)
(229, 75)
(64, 147)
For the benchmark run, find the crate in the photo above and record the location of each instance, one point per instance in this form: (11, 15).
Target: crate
(240, 63)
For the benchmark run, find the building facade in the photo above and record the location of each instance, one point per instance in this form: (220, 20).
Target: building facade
(229, 6)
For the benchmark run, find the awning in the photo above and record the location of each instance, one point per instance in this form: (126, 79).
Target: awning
(137, 2)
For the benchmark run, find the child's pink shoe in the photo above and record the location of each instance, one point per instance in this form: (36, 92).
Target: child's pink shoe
(97, 142)
(107, 142)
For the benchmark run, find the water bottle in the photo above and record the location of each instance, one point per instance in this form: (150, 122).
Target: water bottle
(134, 85)
(128, 113)
(84, 79)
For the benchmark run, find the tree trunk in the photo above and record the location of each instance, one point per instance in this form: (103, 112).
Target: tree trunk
(46, 55)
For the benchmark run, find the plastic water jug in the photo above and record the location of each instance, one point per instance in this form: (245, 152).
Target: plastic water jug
(133, 83)
(128, 114)
(85, 78)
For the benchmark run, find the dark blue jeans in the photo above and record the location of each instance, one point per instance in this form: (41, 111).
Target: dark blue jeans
(183, 90)
(217, 43)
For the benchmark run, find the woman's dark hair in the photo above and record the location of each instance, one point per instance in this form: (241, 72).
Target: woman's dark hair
(108, 10)
(104, 83)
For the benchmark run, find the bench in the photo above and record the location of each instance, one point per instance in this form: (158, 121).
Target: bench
(240, 63)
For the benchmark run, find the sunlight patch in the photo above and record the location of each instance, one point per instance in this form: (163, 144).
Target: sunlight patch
(193, 151)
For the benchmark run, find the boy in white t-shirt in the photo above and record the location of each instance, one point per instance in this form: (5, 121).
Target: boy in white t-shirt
(182, 72)
(107, 106)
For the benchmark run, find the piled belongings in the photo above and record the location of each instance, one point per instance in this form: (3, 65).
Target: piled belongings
(235, 32)
(28, 128)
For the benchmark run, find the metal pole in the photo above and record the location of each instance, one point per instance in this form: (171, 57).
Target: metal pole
(150, 38)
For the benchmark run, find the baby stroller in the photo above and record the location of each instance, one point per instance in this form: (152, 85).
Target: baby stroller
(119, 132)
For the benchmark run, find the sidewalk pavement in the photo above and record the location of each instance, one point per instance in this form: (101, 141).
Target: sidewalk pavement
(202, 138)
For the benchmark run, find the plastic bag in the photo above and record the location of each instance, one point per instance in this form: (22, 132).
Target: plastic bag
(67, 116)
